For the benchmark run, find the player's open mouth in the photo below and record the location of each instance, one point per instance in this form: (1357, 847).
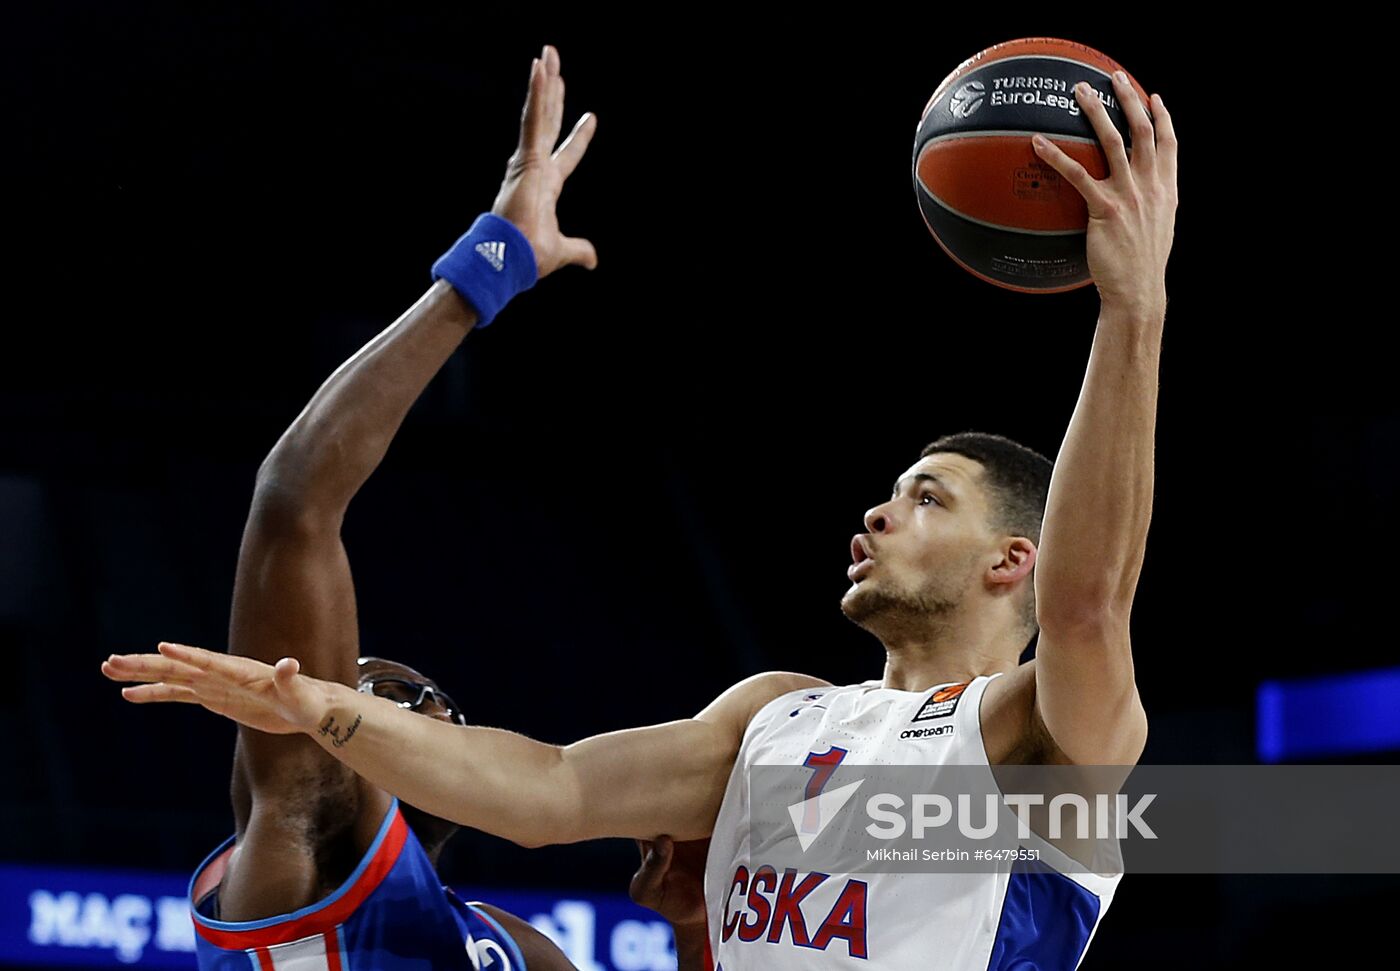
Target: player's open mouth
(859, 549)
(857, 570)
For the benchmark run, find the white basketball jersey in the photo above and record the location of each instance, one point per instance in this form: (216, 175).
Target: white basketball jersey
(896, 921)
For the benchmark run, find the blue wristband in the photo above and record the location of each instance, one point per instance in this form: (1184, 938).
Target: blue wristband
(488, 265)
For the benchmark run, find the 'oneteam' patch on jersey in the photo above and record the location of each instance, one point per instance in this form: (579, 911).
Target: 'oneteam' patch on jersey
(941, 703)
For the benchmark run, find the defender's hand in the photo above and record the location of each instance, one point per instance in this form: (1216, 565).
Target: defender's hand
(535, 174)
(1132, 213)
(274, 699)
(671, 880)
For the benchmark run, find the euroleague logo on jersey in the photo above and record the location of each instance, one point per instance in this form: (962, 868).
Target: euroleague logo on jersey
(941, 703)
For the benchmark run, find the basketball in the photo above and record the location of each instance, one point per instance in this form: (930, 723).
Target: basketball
(993, 205)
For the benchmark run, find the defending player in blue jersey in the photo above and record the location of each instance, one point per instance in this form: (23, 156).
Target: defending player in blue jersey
(324, 869)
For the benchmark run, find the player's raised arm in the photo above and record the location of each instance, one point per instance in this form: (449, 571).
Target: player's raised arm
(1100, 499)
(293, 591)
(640, 782)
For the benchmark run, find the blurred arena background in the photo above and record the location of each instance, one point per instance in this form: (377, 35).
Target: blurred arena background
(640, 486)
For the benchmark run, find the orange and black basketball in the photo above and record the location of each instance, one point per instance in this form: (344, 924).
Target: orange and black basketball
(994, 205)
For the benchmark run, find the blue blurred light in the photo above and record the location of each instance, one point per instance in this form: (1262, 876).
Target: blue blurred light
(1347, 714)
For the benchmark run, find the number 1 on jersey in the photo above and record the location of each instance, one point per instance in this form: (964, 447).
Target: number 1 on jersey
(823, 766)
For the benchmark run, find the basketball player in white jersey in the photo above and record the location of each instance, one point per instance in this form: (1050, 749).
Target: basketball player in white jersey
(980, 545)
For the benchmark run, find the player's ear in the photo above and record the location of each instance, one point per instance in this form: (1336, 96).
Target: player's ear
(1017, 560)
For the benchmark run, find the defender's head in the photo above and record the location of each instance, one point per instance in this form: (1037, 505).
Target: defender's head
(419, 693)
(409, 688)
(958, 533)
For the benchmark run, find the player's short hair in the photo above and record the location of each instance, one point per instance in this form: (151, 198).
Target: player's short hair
(1017, 482)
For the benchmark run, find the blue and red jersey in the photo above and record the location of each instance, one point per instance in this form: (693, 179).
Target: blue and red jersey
(391, 914)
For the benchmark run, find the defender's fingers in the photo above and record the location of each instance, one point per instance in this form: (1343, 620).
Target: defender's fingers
(1139, 123)
(554, 97)
(1109, 138)
(1074, 173)
(532, 115)
(580, 251)
(143, 694)
(571, 152)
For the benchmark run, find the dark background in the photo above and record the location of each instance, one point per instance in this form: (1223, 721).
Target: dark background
(639, 485)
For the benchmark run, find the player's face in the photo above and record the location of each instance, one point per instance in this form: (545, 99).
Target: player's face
(400, 683)
(925, 547)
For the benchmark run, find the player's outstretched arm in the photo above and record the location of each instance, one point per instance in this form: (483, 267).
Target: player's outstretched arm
(639, 783)
(1100, 501)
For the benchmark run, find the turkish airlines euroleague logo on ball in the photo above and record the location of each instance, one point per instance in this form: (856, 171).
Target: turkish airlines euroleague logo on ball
(967, 99)
(941, 703)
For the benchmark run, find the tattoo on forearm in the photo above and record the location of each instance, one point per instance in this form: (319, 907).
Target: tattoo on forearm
(329, 727)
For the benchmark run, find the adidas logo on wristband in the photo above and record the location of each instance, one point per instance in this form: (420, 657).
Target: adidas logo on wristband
(494, 252)
(464, 265)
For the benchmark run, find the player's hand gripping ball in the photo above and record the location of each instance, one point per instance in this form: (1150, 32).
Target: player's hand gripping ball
(998, 209)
